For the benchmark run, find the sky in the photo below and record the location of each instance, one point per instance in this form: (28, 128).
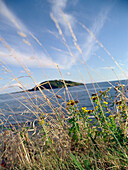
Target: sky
(79, 40)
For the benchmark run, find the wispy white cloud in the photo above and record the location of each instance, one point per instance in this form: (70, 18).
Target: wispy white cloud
(101, 58)
(108, 68)
(66, 61)
(21, 41)
(58, 11)
(29, 59)
(8, 15)
(68, 74)
(121, 64)
(90, 45)
(13, 85)
(15, 58)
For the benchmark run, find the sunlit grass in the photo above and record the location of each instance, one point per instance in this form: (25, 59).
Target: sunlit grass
(67, 137)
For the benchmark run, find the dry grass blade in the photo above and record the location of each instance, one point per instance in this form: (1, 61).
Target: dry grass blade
(49, 128)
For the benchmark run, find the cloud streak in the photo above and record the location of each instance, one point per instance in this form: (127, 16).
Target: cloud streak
(22, 37)
(58, 8)
(108, 68)
(7, 14)
(15, 58)
(58, 11)
(90, 46)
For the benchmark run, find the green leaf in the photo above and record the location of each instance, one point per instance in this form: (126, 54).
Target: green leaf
(75, 136)
(71, 130)
(76, 162)
(77, 125)
(87, 164)
(71, 120)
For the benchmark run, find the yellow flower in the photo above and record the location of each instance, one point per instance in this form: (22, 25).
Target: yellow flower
(105, 102)
(96, 107)
(110, 116)
(86, 111)
(71, 102)
(42, 121)
(84, 108)
(119, 107)
(90, 111)
(92, 97)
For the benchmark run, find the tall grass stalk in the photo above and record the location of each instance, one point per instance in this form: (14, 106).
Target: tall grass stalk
(67, 137)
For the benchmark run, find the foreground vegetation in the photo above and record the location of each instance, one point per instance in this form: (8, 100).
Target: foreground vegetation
(69, 137)
(72, 137)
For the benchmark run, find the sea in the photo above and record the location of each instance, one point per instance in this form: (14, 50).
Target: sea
(21, 107)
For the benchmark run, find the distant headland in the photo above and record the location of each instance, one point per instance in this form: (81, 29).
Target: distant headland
(55, 84)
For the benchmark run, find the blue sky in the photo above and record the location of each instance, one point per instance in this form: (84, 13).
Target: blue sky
(30, 40)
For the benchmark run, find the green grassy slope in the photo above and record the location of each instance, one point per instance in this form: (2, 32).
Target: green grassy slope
(55, 84)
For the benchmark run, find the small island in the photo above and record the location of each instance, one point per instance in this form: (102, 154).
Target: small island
(55, 84)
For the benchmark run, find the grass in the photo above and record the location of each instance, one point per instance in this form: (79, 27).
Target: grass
(67, 138)
(75, 142)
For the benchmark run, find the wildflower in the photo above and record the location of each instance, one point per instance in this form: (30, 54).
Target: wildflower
(87, 111)
(42, 121)
(101, 91)
(94, 98)
(119, 107)
(105, 102)
(96, 107)
(90, 111)
(110, 116)
(71, 102)
(84, 108)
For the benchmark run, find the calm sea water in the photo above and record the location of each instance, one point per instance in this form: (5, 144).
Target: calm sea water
(21, 107)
